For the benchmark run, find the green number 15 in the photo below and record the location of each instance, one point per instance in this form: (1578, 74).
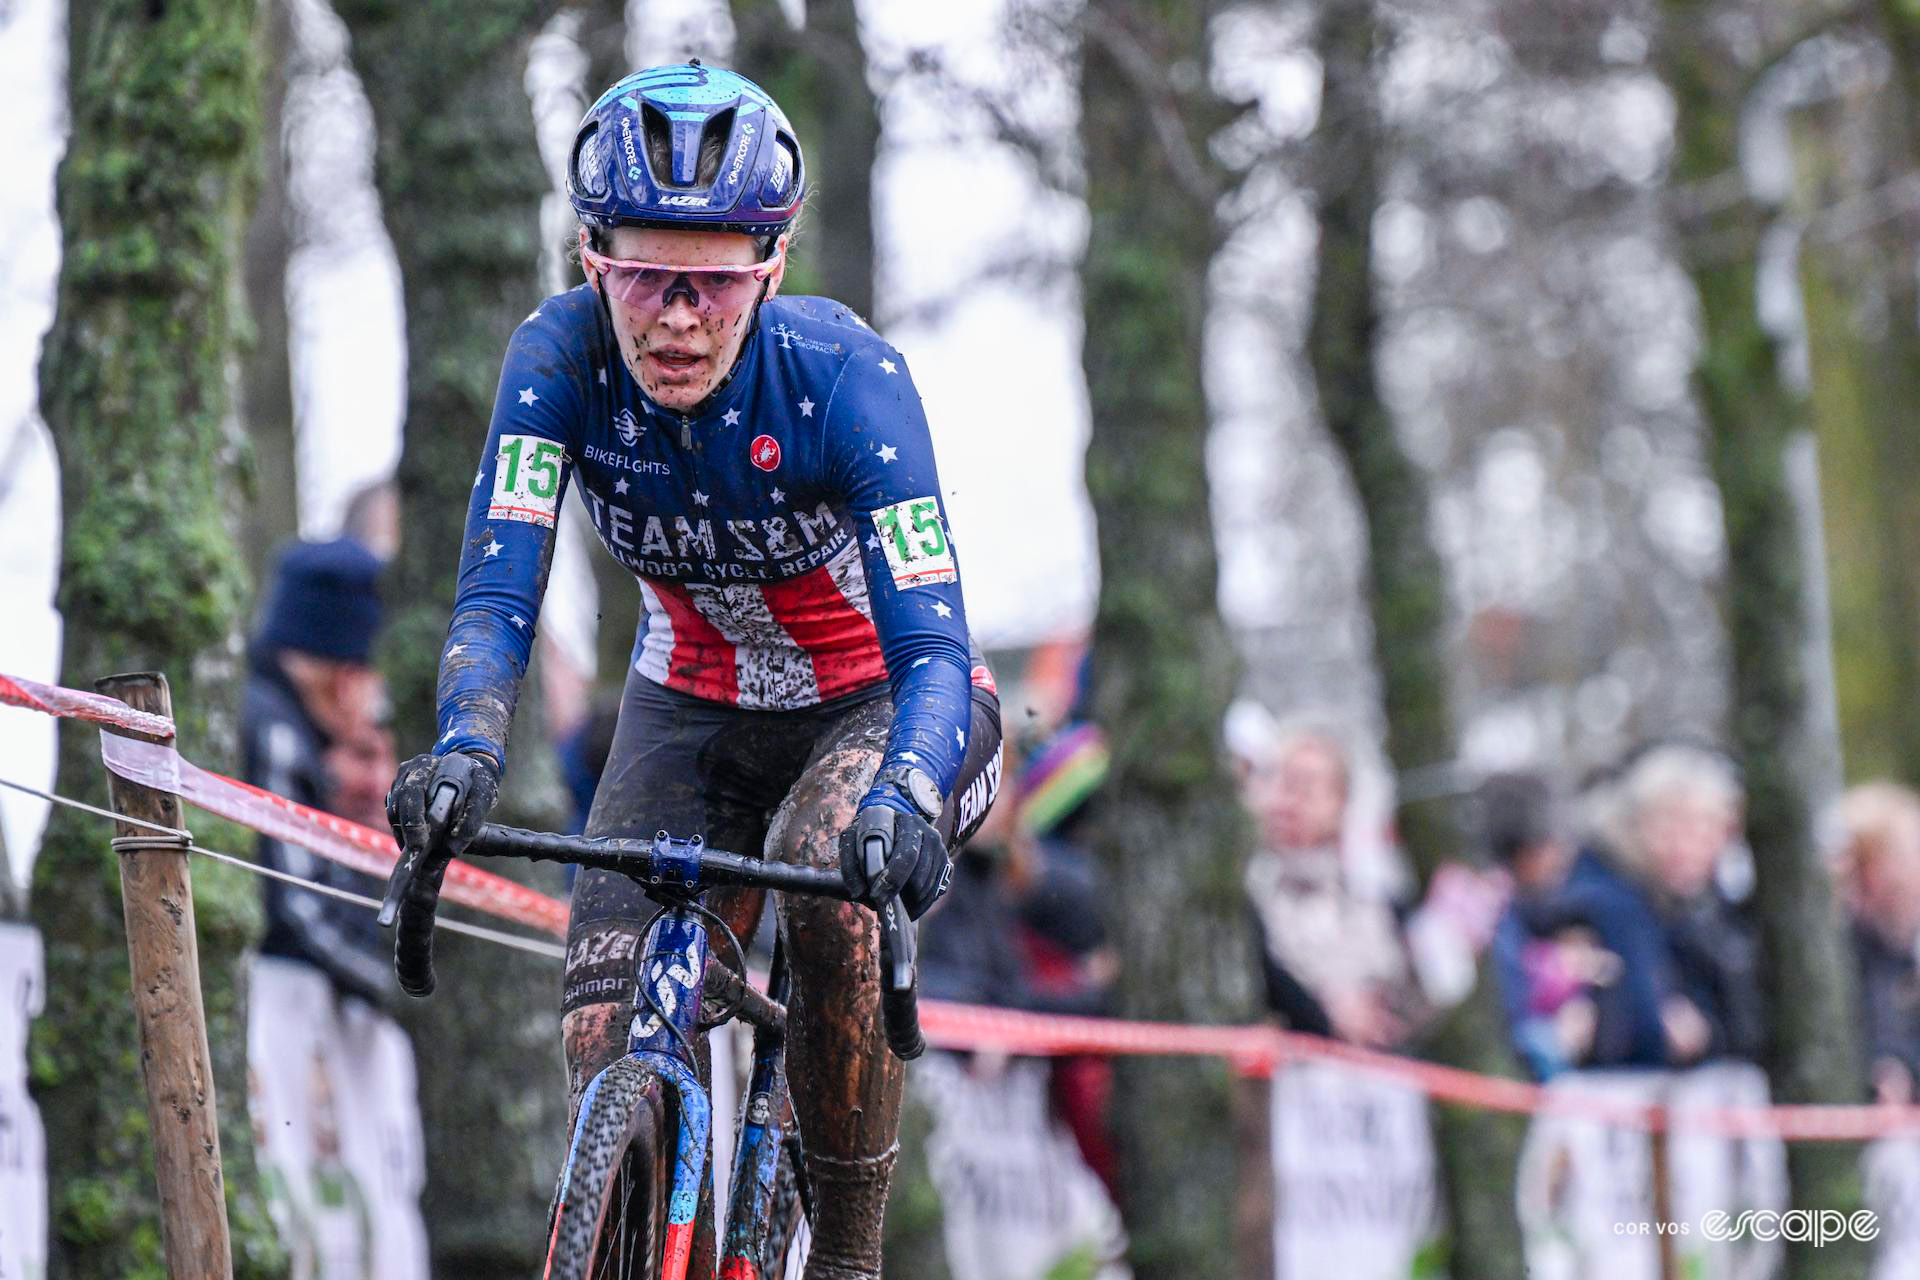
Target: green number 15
(924, 538)
(543, 466)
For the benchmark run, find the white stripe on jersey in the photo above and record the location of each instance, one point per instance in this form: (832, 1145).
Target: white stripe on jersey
(656, 642)
(772, 672)
(849, 576)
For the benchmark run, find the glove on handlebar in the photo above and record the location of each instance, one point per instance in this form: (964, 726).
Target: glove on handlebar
(439, 803)
(886, 852)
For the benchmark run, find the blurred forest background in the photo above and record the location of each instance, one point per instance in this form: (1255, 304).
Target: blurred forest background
(1519, 379)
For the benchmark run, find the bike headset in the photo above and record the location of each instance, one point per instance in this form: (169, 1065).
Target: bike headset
(731, 158)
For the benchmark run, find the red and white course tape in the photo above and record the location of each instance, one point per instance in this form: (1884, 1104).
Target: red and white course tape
(1251, 1051)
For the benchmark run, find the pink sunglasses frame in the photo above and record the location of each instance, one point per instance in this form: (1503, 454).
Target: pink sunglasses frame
(600, 264)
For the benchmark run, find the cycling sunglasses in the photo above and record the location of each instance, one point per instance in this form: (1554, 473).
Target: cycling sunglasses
(647, 284)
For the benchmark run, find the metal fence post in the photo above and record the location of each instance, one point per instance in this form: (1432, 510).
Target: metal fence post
(156, 894)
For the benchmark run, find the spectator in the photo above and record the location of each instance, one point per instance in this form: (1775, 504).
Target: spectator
(1334, 960)
(312, 689)
(1543, 980)
(335, 1097)
(1879, 869)
(1683, 807)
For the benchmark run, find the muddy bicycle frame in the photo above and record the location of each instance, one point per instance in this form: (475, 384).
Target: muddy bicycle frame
(671, 978)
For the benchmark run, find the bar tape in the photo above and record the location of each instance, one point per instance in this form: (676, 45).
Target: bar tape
(1256, 1051)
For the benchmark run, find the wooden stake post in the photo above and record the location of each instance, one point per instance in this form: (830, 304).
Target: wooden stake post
(156, 894)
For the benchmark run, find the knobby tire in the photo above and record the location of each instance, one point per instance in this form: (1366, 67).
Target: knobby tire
(613, 1223)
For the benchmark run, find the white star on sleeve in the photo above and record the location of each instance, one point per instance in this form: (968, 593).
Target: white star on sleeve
(960, 738)
(517, 620)
(446, 737)
(940, 607)
(456, 650)
(888, 365)
(699, 498)
(873, 541)
(731, 417)
(494, 548)
(779, 495)
(620, 485)
(888, 453)
(478, 476)
(526, 396)
(806, 408)
(533, 317)
(603, 376)
(921, 662)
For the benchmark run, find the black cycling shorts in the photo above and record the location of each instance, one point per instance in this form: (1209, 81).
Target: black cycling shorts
(688, 766)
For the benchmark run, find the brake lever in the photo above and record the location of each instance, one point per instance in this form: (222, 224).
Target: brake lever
(439, 809)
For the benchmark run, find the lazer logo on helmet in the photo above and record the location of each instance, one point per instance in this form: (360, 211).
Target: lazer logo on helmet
(682, 200)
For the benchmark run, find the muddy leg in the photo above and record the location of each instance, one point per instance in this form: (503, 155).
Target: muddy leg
(846, 1085)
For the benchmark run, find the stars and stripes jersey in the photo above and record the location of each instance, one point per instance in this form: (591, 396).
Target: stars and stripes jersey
(790, 537)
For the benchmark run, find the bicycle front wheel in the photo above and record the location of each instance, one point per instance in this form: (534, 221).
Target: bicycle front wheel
(610, 1211)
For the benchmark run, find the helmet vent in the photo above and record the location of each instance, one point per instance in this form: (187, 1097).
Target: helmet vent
(713, 147)
(657, 132)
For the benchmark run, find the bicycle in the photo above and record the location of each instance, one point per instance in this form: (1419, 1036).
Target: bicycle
(617, 1212)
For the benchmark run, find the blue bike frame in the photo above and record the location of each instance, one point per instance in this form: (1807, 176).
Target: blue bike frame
(673, 972)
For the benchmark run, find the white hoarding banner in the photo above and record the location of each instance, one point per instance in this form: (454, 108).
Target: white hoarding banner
(23, 1148)
(1353, 1184)
(336, 1120)
(1016, 1198)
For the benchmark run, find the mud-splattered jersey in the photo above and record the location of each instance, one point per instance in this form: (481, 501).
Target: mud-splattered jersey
(790, 538)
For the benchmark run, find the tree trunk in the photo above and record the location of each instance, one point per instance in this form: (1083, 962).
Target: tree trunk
(461, 181)
(1863, 331)
(1169, 822)
(134, 385)
(818, 75)
(1478, 1151)
(266, 383)
(1751, 418)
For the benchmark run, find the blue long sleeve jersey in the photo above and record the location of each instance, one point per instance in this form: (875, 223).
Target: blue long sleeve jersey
(790, 538)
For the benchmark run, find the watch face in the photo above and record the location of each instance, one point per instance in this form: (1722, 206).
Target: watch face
(924, 794)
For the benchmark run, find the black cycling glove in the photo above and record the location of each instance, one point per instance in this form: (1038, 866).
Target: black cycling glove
(447, 826)
(886, 852)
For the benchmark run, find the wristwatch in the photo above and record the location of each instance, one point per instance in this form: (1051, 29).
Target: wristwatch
(918, 786)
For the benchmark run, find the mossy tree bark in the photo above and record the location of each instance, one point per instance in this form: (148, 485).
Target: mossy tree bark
(1752, 416)
(266, 384)
(818, 74)
(1169, 822)
(1478, 1151)
(460, 179)
(1863, 330)
(135, 381)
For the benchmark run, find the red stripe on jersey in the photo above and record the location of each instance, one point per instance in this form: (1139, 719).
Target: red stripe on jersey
(703, 662)
(841, 641)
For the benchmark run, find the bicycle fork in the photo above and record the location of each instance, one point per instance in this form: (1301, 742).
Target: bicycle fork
(756, 1157)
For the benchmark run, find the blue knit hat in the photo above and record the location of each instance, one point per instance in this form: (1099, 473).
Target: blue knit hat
(325, 601)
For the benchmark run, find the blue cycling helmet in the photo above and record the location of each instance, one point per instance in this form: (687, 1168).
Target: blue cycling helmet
(687, 146)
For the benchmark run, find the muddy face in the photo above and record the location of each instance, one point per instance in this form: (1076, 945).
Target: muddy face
(680, 347)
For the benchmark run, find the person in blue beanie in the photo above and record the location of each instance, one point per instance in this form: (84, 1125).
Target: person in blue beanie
(334, 1091)
(311, 688)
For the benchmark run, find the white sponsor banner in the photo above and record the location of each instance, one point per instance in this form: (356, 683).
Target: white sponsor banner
(23, 1148)
(1890, 1170)
(1586, 1187)
(1016, 1198)
(336, 1122)
(1353, 1184)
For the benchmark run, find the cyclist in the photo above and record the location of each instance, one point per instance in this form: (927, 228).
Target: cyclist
(803, 676)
